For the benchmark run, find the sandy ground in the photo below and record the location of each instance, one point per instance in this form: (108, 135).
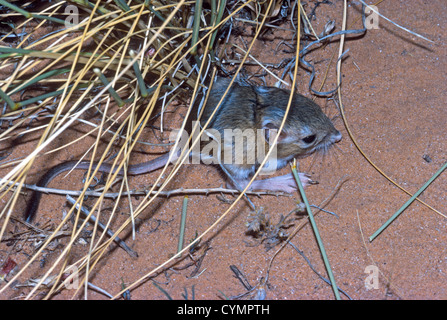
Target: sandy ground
(393, 93)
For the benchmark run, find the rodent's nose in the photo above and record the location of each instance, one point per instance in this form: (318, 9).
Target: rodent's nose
(336, 137)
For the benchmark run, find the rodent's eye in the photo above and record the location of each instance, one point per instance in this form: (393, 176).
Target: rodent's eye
(309, 139)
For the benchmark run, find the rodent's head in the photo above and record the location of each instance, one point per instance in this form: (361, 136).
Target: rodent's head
(306, 129)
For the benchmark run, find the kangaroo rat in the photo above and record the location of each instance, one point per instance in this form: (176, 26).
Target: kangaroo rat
(245, 107)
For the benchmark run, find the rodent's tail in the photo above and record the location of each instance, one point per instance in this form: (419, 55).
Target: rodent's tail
(135, 169)
(33, 204)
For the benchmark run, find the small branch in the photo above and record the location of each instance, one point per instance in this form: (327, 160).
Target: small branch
(167, 193)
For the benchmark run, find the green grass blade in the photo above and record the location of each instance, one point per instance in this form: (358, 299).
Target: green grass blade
(398, 212)
(317, 234)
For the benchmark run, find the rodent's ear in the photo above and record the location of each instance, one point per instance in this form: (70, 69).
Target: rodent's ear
(266, 90)
(270, 132)
(264, 96)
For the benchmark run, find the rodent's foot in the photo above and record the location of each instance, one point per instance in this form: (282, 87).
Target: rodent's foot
(285, 183)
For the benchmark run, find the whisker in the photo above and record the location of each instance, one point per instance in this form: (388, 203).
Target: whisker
(315, 154)
(334, 154)
(336, 119)
(339, 149)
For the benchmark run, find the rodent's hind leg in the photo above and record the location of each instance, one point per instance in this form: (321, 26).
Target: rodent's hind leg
(284, 183)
